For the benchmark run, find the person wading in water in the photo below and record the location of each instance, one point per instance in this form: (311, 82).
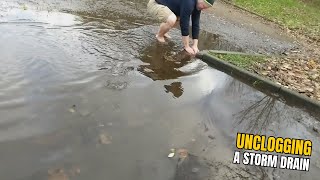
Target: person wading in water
(170, 12)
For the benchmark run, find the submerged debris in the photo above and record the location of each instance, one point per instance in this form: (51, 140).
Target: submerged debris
(118, 85)
(172, 153)
(211, 137)
(57, 174)
(183, 153)
(104, 139)
(61, 174)
(74, 171)
(72, 109)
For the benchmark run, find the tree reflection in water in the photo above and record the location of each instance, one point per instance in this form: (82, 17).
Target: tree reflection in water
(236, 107)
(259, 111)
(259, 115)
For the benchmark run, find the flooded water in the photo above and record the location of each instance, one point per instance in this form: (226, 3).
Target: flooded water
(91, 95)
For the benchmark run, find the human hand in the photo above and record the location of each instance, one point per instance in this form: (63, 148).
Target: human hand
(189, 50)
(195, 49)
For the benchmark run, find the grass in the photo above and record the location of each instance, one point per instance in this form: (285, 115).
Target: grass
(243, 61)
(303, 15)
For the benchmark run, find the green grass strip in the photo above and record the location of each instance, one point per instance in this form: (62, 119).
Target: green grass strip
(294, 14)
(240, 60)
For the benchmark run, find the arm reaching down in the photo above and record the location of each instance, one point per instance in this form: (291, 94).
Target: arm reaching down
(187, 9)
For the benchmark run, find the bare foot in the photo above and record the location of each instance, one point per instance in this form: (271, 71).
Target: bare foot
(166, 35)
(160, 39)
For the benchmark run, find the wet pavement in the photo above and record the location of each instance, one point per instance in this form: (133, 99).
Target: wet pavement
(87, 93)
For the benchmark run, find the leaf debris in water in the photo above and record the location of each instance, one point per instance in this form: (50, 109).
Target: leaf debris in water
(72, 109)
(183, 153)
(57, 174)
(172, 153)
(104, 139)
(74, 171)
(24, 7)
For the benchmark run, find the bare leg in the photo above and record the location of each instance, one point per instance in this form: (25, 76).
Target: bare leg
(166, 35)
(165, 27)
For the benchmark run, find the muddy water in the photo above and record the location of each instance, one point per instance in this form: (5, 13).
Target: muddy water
(91, 95)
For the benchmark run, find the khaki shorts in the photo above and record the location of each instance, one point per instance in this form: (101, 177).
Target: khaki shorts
(158, 11)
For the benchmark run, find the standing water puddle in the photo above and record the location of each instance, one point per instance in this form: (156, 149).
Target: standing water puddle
(83, 98)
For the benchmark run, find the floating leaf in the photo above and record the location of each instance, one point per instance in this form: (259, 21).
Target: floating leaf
(183, 153)
(312, 64)
(57, 174)
(24, 7)
(171, 155)
(74, 171)
(104, 139)
(72, 109)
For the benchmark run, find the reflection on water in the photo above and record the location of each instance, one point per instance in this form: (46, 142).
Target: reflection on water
(258, 116)
(162, 63)
(175, 88)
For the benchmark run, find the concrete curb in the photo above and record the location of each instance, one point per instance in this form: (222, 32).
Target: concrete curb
(290, 97)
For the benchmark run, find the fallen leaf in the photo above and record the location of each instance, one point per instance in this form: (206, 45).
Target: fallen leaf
(211, 137)
(309, 89)
(315, 76)
(195, 170)
(312, 64)
(74, 171)
(57, 174)
(101, 125)
(171, 155)
(24, 7)
(104, 139)
(72, 109)
(290, 73)
(183, 153)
